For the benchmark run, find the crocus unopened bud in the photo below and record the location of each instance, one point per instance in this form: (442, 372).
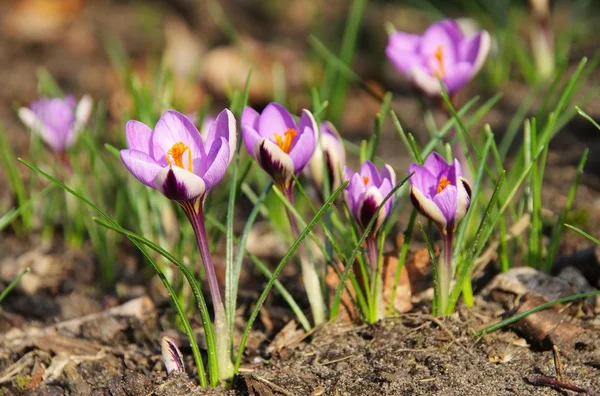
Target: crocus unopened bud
(366, 191)
(171, 356)
(329, 156)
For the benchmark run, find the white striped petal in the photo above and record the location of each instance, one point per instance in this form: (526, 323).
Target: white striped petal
(427, 207)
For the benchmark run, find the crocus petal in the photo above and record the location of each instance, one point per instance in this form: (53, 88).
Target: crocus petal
(404, 42)
(174, 127)
(369, 170)
(251, 137)
(386, 188)
(224, 126)
(138, 136)
(446, 201)
(178, 184)
(36, 125)
(402, 50)
(141, 165)
(303, 147)
(424, 81)
(368, 207)
(427, 207)
(275, 119)
(436, 164)
(445, 35)
(423, 180)
(83, 111)
(387, 172)
(463, 199)
(250, 117)
(206, 123)
(218, 158)
(354, 193)
(348, 173)
(274, 161)
(475, 50)
(460, 75)
(172, 358)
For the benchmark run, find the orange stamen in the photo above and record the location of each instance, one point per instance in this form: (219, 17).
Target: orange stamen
(285, 142)
(176, 152)
(444, 182)
(366, 180)
(439, 56)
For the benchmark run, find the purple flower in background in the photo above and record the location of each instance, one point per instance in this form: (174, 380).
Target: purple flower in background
(439, 191)
(281, 146)
(442, 52)
(57, 121)
(329, 156)
(174, 158)
(367, 190)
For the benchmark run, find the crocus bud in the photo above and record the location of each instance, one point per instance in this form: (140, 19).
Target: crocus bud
(366, 191)
(57, 121)
(329, 156)
(441, 53)
(171, 356)
(281, 146)
(439, 191)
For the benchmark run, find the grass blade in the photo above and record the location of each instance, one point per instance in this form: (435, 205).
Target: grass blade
(540, 307)
(278, 269)
(12, 284)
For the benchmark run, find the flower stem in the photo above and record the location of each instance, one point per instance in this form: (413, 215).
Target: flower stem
(195, 214)
(445, 270)
(310, 278)
(376, 307)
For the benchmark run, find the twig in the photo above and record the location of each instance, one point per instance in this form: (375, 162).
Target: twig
(557, 364)
(337, 360)
(543, 380)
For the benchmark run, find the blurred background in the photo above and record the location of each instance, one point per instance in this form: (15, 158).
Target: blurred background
(205, 50)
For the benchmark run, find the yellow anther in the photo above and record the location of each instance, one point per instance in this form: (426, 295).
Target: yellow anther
(444, 182)
(285, 142)
(439, 56)
(176, 153)
(366, 180)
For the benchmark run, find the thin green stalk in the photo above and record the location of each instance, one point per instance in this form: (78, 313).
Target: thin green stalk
(12, 284)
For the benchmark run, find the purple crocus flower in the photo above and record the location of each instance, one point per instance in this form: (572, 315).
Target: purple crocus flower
(442, 52)
(279, 144)
(439, 191)
(330, 156)
(367, 190)
(57, 121)
(174, 158)
(206, 124)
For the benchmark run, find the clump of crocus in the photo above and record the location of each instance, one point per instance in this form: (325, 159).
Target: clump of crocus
(329, 159)
(439, 192)
(174, 159)
(441, 53)
(57, 121)
(364, 195)
(283, 147)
